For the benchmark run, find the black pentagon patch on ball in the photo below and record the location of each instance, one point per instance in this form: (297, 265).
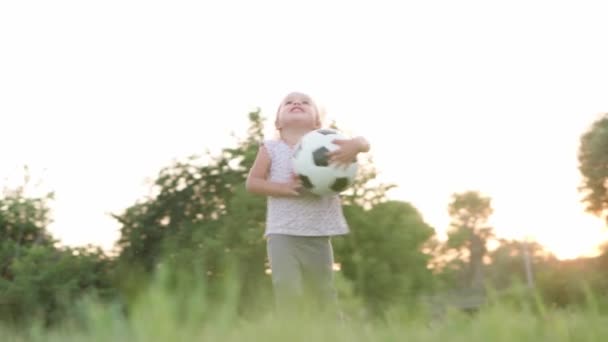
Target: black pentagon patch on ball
(326, 131)
(305, 181)
(320, 156)
(340, 184)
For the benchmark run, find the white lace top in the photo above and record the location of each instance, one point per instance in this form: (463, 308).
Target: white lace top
(305, 215)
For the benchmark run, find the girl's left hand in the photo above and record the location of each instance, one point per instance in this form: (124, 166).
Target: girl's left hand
(346, 153)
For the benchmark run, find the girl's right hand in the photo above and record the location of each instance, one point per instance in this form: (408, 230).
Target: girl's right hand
(293, 187)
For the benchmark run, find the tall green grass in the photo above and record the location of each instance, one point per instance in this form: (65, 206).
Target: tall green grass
(172, 311)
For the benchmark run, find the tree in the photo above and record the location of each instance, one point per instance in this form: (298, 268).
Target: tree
(507, 262)
(468, 233)
(202, 218)
(191, 196)
(23, 220)
(38, 278)
(593, 166)
(383, 255)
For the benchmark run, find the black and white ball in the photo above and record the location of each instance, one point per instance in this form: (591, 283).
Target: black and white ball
(311, 163)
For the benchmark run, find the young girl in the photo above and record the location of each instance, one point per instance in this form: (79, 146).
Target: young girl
(299, 225)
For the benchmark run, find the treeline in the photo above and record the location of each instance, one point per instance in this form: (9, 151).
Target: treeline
(203, 226)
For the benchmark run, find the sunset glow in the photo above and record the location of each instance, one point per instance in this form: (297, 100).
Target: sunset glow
(455, 96)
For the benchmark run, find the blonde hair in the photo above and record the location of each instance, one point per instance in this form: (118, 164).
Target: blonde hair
(319, 113)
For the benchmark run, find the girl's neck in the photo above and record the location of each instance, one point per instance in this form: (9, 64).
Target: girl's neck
(292, 136)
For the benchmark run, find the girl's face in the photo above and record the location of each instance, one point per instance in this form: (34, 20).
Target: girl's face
(299, 111)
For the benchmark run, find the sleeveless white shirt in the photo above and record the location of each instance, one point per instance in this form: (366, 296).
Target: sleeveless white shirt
(305, 215)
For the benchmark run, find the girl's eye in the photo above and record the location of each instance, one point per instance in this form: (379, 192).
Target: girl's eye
(288, 102)
(305, 102)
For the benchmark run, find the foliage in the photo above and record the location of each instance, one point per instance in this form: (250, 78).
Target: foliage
(566, 283)
(23, 220)
(191, 198)
(468, 234)
(202, 214)
(201, 232)
(38, 279)
(593, 166)
(45, 281)
(507, 262)
(383, 255)
(162, 314)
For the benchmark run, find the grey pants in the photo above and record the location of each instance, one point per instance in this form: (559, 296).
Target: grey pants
(302, 272)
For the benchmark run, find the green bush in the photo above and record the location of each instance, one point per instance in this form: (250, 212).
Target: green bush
(44, 281)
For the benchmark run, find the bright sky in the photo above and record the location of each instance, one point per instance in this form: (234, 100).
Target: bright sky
(453, 95)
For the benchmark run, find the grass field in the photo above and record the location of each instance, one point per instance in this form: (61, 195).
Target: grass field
(158, 324)
(161, 315)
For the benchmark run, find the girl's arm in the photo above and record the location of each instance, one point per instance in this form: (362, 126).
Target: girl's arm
(257, 182)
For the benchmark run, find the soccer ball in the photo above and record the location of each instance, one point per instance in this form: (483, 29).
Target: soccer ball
(311, 164)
